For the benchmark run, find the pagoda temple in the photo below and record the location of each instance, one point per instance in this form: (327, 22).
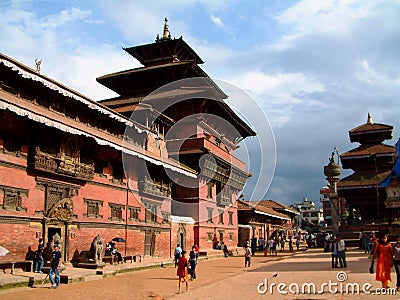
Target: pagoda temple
(151, 168)
(173, 95)
(371, 162)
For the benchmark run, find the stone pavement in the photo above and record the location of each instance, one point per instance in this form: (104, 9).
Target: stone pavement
(223, 278)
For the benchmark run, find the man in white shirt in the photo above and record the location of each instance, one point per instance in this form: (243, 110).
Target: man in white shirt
(342, 253)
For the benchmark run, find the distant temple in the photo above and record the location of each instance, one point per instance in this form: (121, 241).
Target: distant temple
(150, 168)
(371, 162)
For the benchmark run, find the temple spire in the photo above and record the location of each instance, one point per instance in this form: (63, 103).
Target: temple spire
(369, 119)
(166, 33)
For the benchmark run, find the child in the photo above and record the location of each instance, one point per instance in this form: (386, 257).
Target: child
(182, 271)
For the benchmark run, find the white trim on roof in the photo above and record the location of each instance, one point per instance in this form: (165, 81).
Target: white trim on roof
(270, 215)
(64, 91)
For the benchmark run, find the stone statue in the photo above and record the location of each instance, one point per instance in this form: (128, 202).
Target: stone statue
(38, 62)
(98, 248)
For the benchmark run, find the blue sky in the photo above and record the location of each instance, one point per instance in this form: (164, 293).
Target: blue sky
(315, 68)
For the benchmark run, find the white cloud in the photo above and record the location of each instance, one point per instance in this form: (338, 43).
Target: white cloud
(216, 20)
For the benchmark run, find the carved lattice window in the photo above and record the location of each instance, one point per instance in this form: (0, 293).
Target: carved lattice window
(209, 236)
(116, 211)
(12, 198)
(93, 208)
(134, 213)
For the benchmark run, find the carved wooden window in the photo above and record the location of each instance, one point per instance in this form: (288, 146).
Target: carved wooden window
(151, 214)
(209, 236)
(134, 213)
(116, 211)
(230, 218)
(93, 208)
(151, 211)
(99, 166)
(118, 170)
(209, 190)
(221, 217)
(165, 216)
(209, 215)
(12, 198)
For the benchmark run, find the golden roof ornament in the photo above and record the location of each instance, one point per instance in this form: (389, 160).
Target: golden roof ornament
(369, 119)
(166, 33)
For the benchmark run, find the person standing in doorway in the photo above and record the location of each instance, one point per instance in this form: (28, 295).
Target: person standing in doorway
(39, 260)
(55, 267)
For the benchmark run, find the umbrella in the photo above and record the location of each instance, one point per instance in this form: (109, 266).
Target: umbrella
(3, 251)
(118, 240)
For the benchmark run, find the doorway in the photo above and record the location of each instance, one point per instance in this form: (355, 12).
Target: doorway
(149, 243)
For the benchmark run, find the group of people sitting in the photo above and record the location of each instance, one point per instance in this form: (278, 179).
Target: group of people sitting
(111, 250)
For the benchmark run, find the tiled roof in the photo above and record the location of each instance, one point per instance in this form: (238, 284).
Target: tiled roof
(371, 127)
(368, 150)
(362, 179)
(262, 206)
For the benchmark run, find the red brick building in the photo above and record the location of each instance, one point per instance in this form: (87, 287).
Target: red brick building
(152, 174)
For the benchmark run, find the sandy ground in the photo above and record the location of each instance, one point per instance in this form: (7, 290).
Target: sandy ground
(225, 278)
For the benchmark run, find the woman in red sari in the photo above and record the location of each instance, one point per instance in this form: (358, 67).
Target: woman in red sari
(182, 271)
(383, 251)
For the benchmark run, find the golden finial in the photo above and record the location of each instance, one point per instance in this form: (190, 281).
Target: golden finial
(369, 120)
(166, 33)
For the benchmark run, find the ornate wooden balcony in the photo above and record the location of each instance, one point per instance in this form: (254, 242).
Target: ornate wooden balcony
(149, 188)
(54, 164)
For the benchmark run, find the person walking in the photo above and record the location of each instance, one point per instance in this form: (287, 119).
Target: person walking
(341, 250)
(182, 271)
(55, 267)
(396, 262)
(271, 243)
(247, 256)
(290, 245)
(193, 256)
(298, 243)
(226, 251)
(334, 252)
(367, 243)
(177, 254)
(383, 251)
(39, 261)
